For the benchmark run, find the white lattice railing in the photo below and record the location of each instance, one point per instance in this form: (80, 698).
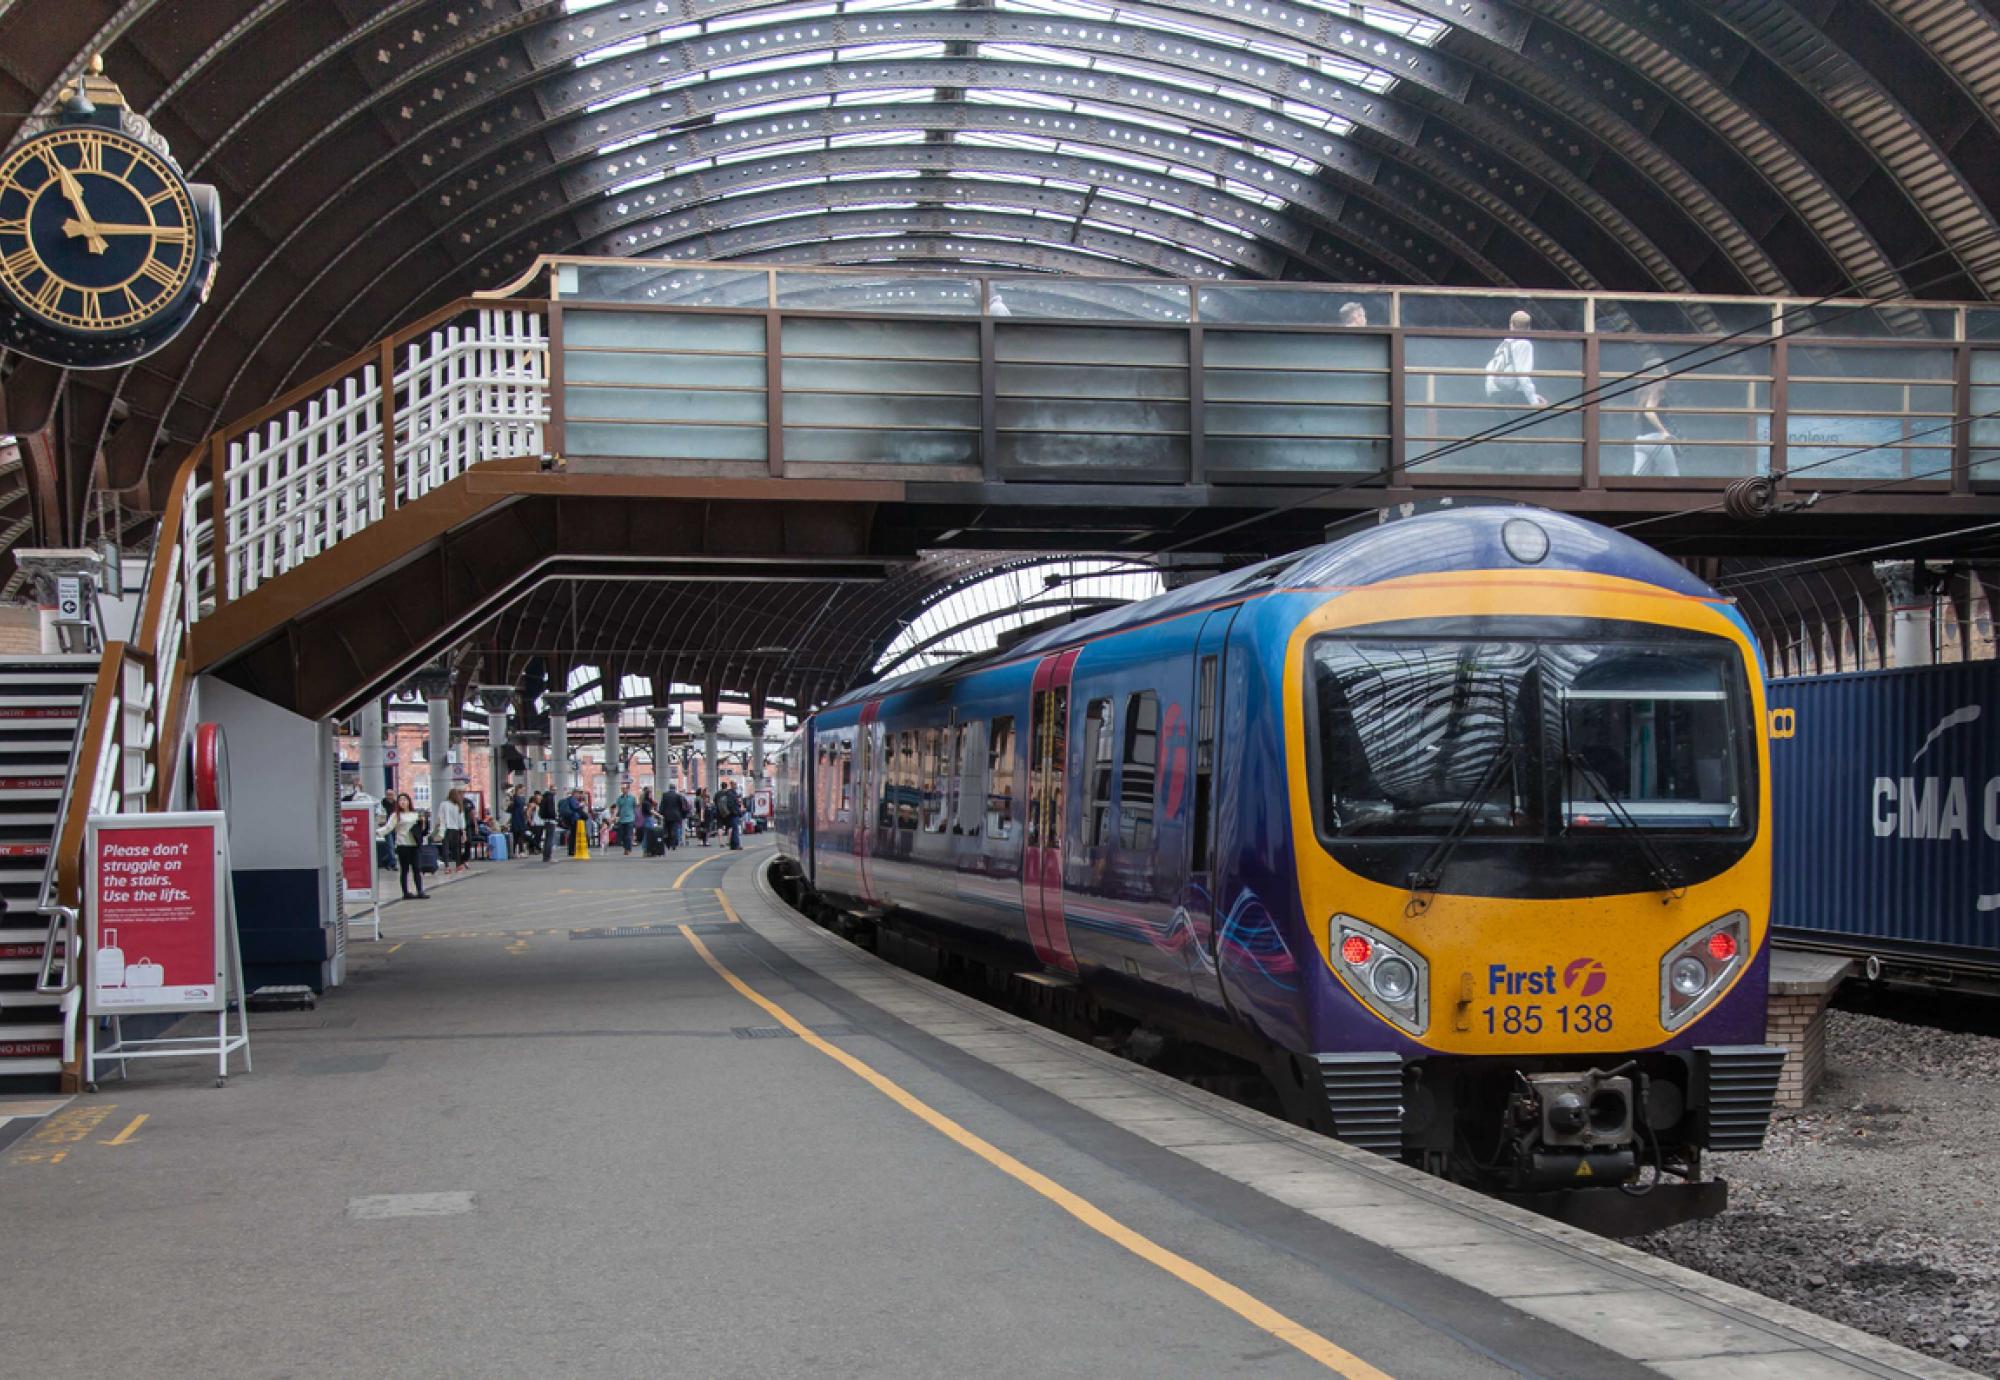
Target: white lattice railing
(305, 478)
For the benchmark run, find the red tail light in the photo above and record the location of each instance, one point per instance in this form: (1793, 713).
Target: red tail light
(1356, 949)
(1722, 946)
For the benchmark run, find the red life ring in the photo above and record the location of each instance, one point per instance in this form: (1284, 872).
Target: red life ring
(211, 768)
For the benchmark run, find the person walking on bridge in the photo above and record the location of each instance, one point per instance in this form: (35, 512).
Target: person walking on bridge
(407, 828)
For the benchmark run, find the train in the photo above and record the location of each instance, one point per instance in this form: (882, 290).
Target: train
(1454, 828)
(1885, 793)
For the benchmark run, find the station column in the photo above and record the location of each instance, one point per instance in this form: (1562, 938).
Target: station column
(1912, 612)
(613, 768)
(531, 751)
(374, 778)
(709, 724)
(435, 687)
(495, 699)
(558, 703)
(757, 727)
(662, 748)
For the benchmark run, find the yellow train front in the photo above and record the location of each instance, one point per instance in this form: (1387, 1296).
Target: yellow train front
(1522, 802)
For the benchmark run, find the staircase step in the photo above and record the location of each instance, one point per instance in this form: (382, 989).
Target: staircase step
(22, 942)
(16, 1001)
(15, 1068)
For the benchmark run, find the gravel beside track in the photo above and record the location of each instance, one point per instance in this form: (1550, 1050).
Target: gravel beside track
(1879, 1205)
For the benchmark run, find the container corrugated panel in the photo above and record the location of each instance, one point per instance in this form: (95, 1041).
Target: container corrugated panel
(1885, 813)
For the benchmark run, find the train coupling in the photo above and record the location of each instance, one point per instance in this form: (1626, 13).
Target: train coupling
(1571, 1129)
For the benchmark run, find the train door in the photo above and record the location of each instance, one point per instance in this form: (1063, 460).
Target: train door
(1041, 859)
(867, 796)
(1210, 648)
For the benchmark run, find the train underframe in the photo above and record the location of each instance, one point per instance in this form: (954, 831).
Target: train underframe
(1611, 1144)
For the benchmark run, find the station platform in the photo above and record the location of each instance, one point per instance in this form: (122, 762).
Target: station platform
(633, 1117)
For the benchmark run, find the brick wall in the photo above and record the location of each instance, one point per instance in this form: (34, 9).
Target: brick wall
(1797, 1021)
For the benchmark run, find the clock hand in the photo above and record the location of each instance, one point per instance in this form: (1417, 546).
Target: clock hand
(171, 233)
(73, 191)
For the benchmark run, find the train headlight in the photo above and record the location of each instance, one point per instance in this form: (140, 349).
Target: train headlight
(1383, 971)
(1698, 969)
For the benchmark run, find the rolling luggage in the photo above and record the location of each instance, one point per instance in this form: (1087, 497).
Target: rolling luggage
(496, 847)
(427, 858)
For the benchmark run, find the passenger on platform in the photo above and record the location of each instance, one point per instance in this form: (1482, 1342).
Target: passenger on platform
(550, 822)
(566, 820)
(649, 822)
(625, 814)
(1653, 451)
(518, 823)
(407, 828)
(1510, 374)
(451, 822)
(704, 815)
(1353, 314)
(673, 814)
(729, 813)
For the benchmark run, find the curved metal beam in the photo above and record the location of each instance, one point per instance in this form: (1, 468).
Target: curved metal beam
(1085, 208)
(1006, 256)
(1114, 245)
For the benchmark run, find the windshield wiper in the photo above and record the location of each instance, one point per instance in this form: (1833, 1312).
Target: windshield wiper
(1424, 881)
(1663, 871)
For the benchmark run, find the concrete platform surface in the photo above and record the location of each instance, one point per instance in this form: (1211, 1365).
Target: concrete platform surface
(631, 1117)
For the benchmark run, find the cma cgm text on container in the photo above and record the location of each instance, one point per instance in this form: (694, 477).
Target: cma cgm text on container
(1886, 811)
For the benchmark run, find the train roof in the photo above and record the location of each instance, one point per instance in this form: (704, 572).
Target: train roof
(1398, 543)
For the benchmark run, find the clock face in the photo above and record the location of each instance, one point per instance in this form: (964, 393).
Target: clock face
(97, 231)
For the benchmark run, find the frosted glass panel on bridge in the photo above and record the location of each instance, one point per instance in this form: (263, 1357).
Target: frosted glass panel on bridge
(664, 286)
(1450, 397)
(1871, 412)
(1098, 401)
(927, 294)
(1083, 299)
(1282, 306)
(1668, 411)
(1295, 402)
(894, 392)
(664, 385)
(1474, 312)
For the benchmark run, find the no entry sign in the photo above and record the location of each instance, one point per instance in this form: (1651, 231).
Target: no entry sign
(155, 935)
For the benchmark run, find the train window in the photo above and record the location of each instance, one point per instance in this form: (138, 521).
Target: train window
(1647, 741)
(906, 781)
(1000, 779)
(932, 769)
(845, 751)
(1204, 760)
(1097, 759)
(1138, 785)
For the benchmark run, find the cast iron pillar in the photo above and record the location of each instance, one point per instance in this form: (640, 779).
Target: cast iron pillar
(709, 724)
(495, 700)
(614, 766)
(663, 717)
(374, 774)
(558, 705)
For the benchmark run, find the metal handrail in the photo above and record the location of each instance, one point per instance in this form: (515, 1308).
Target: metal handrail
(63, 920)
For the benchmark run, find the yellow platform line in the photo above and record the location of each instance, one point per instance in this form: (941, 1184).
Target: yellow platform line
(124, 1137)
(1251, 1309)
(690, 871)
(728, 909)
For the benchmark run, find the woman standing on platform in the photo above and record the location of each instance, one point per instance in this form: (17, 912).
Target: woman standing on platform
(551, 822)
(451, 819)
(407, 828)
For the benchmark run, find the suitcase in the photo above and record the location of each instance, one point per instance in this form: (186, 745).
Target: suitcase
(656, 844)
(110, 961)
(496, 847)
(427, 858)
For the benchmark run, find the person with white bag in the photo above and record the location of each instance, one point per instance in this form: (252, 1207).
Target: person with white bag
(407, 828)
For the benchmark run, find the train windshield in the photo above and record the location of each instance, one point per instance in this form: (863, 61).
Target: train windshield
(1528, 738)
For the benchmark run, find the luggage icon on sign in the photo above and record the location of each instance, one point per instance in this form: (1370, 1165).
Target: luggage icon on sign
(111, 962)
(145, 973)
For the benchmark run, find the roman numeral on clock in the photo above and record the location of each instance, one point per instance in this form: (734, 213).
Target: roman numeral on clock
(20, 263)
(159, 273)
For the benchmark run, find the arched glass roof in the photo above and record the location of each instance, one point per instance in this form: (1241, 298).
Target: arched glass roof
(972, 618)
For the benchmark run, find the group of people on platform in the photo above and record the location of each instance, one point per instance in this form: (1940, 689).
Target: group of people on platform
(657, 825)
(537, 823)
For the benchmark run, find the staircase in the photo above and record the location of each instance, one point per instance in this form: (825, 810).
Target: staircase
(40, 702)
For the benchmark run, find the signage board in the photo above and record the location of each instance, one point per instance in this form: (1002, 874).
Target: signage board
(156, 914)
(357, 850)
(69, 598)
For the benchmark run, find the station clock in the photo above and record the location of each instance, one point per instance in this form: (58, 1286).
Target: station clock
(106, 250)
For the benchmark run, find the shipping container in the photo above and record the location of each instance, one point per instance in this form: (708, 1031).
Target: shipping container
(1885, 813)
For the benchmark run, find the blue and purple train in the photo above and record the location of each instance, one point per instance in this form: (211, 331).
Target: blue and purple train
(1455, 827)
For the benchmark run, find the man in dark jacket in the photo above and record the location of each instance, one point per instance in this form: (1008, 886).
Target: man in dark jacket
(729, 811)
(566, 812)
(674, 813)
